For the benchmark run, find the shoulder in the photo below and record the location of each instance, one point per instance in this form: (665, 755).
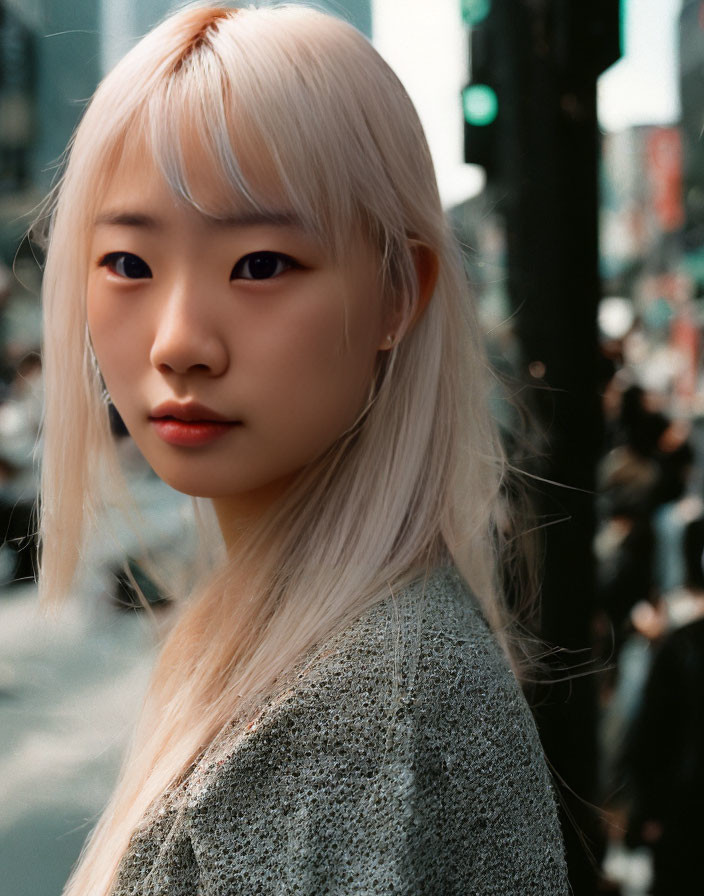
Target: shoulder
(402, 746)
(432, 625)
(428, 659)
(424, 655)
(404, 662)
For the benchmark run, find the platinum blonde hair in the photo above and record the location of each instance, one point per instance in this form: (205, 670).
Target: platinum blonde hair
(286, 102)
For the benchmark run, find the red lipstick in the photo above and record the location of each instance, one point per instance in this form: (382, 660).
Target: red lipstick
(190, 424)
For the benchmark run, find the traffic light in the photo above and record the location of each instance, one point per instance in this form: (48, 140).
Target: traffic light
(481, 98)
(475, 11)
(570, 42)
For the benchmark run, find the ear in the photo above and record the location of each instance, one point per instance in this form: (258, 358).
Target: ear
(427, 268)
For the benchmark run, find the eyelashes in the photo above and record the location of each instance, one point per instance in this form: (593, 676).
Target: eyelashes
(262, 266)
(127, 265)
(253, 266)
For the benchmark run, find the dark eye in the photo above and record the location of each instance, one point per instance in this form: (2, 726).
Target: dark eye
(127, 265)
(261, 266)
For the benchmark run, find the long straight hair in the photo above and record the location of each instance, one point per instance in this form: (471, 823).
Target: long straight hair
(286, 102)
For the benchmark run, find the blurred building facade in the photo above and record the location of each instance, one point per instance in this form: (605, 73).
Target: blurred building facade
(652, 229)
(52, 56)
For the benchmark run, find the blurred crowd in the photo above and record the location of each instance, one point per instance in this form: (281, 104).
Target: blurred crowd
(20, 416)
(649, 627)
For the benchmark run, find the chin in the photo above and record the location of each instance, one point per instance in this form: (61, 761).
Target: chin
(195, 487)
(199, 484)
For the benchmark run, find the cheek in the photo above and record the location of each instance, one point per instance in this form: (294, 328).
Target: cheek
(118, 344)
(323, 376)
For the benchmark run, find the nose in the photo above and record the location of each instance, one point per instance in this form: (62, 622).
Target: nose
(187, 338)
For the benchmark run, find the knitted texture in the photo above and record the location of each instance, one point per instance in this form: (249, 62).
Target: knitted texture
(401, 759)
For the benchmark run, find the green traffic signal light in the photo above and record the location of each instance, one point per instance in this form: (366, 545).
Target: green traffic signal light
(475, 11)
(480, 104)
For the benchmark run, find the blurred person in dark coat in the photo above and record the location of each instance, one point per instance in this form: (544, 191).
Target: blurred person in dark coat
(664, 757)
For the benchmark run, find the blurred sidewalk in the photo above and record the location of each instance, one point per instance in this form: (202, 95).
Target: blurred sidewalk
(71, 686)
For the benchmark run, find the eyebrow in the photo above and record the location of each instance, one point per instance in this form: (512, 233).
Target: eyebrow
(127, 218)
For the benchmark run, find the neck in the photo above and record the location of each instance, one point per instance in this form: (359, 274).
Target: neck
(241, 516)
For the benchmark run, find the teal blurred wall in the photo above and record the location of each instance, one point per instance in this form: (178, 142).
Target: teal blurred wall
(358, 12)
(68, 58)
(79, 39)
(74, 43)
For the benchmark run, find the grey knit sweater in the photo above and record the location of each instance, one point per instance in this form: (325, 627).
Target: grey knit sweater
(402, 759)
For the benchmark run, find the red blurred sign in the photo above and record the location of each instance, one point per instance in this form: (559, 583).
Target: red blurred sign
(664, 160)
(684, 338)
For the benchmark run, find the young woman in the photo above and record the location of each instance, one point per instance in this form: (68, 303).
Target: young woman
(248, 255)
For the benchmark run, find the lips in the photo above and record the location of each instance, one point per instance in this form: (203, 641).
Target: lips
(189, 425)
(188, 412)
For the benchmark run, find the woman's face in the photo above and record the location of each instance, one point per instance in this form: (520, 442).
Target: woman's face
(236, 352)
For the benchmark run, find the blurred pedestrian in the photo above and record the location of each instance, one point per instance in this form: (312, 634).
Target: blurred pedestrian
(665, 764)
(664, 754)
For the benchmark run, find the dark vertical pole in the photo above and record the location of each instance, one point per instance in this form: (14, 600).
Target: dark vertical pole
(550, 201)
(552, 239)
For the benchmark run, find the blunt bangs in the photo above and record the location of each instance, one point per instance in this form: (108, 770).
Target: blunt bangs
(251, 120)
